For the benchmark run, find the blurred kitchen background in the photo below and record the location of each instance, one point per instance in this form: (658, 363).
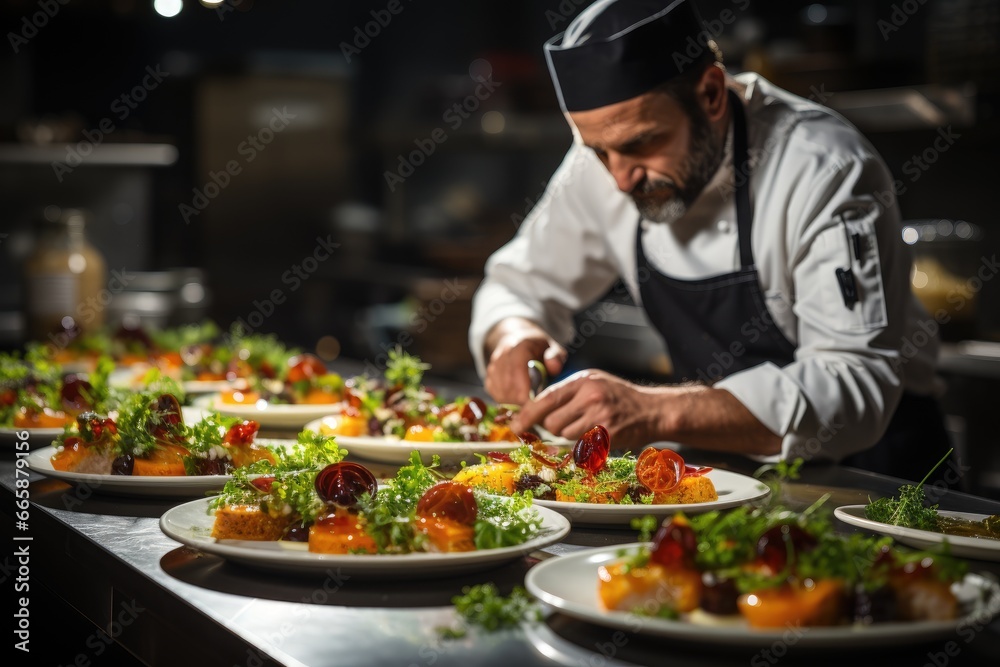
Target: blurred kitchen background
(336, 173)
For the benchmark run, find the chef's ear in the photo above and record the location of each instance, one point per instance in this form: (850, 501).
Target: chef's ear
(710, 91)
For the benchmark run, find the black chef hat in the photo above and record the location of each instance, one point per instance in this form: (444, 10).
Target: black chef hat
(615, 50)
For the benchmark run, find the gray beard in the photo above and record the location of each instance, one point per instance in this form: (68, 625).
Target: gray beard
(702, 162)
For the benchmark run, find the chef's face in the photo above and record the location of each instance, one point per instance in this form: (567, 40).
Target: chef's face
(658, 151)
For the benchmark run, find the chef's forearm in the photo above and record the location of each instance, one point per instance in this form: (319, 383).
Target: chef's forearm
(713, 419)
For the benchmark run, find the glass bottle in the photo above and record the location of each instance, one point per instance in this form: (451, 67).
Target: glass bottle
(65, 280)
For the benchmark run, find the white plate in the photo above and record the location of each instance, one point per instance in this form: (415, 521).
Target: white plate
(733, 488)
(205, 386)
(37, 437)
(272, 416)
(394, 450)
(191, 524)
(569, 583)
(982, 548)
(186, 486)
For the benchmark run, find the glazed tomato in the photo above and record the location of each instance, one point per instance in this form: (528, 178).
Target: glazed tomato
(474, 411)
(591, 450)
(304, 367)
(449, 500)
(242, 433)
(342, 483)
(674, 544)
(659, 470)
(76, 393)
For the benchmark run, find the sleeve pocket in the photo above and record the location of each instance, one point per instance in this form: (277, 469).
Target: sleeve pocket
(845, 245)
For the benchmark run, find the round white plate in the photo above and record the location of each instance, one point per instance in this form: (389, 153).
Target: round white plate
(569, 583)
(394, 450)
(186, 486)
(37, 437)
(191, 524)
(205, 386)
(982, 548)
(272, 416)
(733, 488)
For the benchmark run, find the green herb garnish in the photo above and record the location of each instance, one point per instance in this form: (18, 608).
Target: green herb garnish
(483, 606)
(910, 508)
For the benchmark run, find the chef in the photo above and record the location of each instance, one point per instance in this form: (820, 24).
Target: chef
(745, 221)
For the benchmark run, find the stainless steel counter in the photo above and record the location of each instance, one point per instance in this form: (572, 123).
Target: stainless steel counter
(169, 605)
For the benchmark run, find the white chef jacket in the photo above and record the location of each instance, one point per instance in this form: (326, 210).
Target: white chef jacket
(808, 167)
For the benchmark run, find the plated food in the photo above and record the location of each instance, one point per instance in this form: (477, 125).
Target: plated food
(755, 572)
(588, 474)
(568, 583)
(398, 405)
(147, 436)
(34, 393)
(342, 509)
(965, 546)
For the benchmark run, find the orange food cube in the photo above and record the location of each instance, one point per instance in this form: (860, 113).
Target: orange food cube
(420, 433)
(238, 397)
(446, 535)
(340, 533)
(47, 418)
(247, 522)
(649, 588)
(166, 460)
(316, 396)
(348, 425)
(497, 476)
(797, 605)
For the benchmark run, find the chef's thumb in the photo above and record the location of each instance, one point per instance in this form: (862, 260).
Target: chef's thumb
(554, 359)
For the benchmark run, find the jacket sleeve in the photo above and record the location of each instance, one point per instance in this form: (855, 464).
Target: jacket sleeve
(559, 260)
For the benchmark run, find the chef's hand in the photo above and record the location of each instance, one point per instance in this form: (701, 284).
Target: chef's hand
(510, 345)
(630, 412)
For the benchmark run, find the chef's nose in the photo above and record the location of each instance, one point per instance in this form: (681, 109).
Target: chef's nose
(627, 172)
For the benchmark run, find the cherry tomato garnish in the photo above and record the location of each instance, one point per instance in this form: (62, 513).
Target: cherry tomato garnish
(779, 544)
(242, 433)
(342, 483)
(304, 367)
(92, 426)
(674, 544)
(263, 483)
(474, 411)
(76, 393)
(659, 470)
(528, 438)
(449, 500)
(592, 449)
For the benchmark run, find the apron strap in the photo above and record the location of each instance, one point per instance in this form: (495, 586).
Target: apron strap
(741, 176)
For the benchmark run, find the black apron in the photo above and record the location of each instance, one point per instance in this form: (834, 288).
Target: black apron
(717, 326)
